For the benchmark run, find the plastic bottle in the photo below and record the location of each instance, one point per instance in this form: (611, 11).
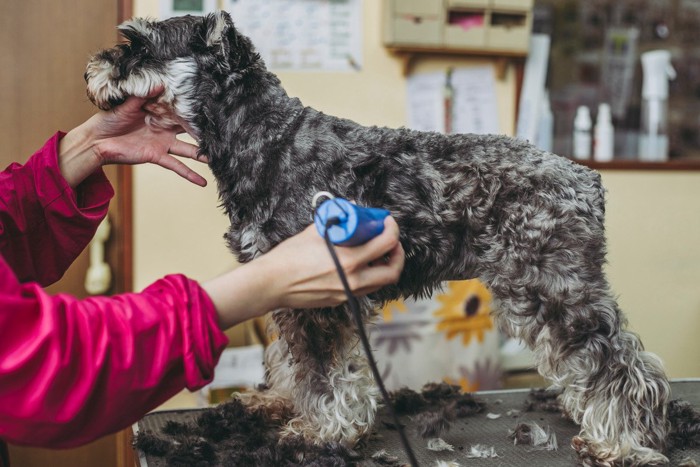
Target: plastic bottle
(545, 126)
(604, 135)
(582, 133)
(657, 70)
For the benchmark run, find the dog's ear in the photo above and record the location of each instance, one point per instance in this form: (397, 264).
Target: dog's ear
(242, 53)
(137, 31)
(217, 25)
(233, 51)
(211, 40)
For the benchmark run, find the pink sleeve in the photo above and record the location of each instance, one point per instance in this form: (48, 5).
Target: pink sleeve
(44, 223)
(74, 370)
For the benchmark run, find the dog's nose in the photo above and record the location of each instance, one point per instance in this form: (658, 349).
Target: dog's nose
(113, 102)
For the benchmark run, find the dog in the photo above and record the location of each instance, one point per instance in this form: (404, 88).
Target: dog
(527, 223)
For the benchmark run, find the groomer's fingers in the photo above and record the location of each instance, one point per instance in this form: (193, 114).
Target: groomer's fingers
(134, 104)
(171, 163)
(185, 149)
(156, 91)
(383, 273)
(380, 245)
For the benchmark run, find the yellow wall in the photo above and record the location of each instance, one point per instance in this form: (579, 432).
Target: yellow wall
(653, 227)
(653, 218)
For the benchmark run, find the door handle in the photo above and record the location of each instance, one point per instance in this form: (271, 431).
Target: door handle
(99, 275)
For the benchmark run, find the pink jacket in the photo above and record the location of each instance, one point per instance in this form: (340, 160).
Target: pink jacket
(74, 370)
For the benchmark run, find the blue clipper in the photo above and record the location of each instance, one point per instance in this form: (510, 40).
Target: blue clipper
(354, 224)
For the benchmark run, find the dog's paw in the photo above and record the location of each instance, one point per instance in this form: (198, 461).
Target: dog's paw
(275, 408)
(594, 454)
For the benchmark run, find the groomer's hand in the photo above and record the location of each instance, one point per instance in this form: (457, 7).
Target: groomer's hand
(121, 136)
(299, 273)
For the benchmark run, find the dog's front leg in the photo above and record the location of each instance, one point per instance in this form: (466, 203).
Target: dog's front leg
(325, 376)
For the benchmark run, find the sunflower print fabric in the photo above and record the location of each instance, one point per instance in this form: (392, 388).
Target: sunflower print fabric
(448, 337)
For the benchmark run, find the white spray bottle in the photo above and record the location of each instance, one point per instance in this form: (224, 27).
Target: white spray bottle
(653, 140)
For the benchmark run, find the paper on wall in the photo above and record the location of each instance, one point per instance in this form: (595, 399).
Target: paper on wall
(303, 34)
(474, 108)
(170, 8)
(426, 106)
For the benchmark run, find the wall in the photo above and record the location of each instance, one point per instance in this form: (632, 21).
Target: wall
(653, 227)
(654, 251)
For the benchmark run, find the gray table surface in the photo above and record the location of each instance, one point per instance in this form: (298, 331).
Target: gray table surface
(466, 432)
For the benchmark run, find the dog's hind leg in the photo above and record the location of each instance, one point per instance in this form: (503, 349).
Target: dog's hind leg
(544, 268)
(324, 375)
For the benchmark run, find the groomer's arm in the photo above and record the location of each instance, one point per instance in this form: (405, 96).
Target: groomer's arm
(66, 359)
(51, 206)
(299, 273)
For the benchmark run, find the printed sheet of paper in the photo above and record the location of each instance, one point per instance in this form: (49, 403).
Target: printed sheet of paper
(474, 108)
(474, 105)
(426, 101)
(170, 8)
(303, 34)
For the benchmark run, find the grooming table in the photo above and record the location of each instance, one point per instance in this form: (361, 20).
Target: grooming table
(464, 433)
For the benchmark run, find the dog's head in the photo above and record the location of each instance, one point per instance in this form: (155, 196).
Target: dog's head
(188, 56)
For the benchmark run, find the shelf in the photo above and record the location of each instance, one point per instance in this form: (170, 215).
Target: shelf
(672, 165)
(501, 57)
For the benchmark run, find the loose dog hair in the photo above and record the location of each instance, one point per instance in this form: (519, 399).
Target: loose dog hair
(527, 223)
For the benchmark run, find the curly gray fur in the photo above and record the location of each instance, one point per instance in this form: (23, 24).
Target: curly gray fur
(527, 223)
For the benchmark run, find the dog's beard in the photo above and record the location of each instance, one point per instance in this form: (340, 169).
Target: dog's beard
(168, 110)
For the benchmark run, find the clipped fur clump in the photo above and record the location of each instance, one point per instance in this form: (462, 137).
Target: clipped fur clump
(174, 428)
(433, 424)
(440, 392)
(480, 451)
(527, 223)
(231, 434)
(466, 405)
(439, 444)
(191, 452)
(407, 401)
(685, 425)
(534, 435)
(449, 397)
(152, 444)
(384, 458)
(543, 400)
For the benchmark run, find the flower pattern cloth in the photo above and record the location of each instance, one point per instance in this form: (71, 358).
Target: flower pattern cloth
(449, 337)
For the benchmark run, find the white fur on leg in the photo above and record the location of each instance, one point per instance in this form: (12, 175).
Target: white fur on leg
(622, 412)
(344, 415)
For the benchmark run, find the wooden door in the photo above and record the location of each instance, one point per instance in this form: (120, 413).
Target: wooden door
(44, 46)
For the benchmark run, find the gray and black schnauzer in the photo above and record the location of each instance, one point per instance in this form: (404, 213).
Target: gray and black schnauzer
(527, 223)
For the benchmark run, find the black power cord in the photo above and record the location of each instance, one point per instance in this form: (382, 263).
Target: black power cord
(355, 308)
